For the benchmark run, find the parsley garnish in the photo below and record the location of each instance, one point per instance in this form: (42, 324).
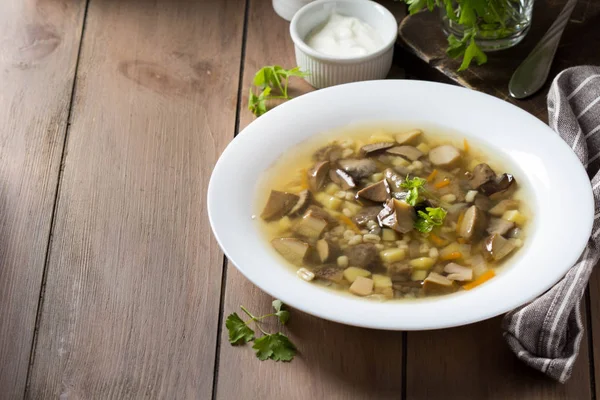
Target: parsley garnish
(267, 79)
(275, 346)
(426, 221)
(413, 185)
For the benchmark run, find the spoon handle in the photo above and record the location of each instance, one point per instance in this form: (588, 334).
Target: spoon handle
(531, 75)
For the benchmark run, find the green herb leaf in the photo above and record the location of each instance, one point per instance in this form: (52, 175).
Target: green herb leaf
(267, 79)
(277, 347)
(473, 51)
(413, 185)
(426, 221)
(283, 315)
(258, 104)
(456, 48)
(239, 333)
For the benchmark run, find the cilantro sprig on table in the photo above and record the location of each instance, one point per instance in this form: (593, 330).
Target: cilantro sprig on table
(468, 14)
(268, 80)
(274, 346)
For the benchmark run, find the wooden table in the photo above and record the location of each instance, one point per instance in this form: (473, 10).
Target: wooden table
(112, 115)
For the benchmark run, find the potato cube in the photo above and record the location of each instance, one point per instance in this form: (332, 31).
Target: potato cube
(392, 255)
(381, 137)
(424, 148)
(381, 282)
(400, 162)
(353, 207)
(328, 201)
(332, 188)
(284, 224)
(422, 263)
(515, 216)
(351, 273)
(362, 286)
(419, 275)
(388, 235)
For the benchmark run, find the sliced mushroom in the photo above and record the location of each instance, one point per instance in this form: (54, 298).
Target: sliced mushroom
(498, 186)
(409, 137)
(482, 173)
(292, 249)
(482, 202)
(358, 169)
(318, 175)
(437, 284)
(499, 226)
(320, 213)
(400, 272)
(328, 153)
(394, 180)
(503, 206)
(410, 152)
(378, 192)
(304, 199)
(458, 272)
(342, 179)
(327, 250)
(398, 215)
(472, 224)
(330, 272)
(278, 205)
(375, 148)
(414, 249)
(310, 226)
(363, 255)
(445, 156)
(515, 233)
(495, 247)
(365, 215)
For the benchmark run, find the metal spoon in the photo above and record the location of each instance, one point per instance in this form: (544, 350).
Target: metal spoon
(531, 75)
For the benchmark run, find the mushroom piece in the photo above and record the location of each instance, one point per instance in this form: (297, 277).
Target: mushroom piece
(457, 272)
(472, 224)
(318, 174)
(328, 153)
(503, 206)
(363, 255)
(310, 226)
(375, 148)
(495, 247)
(292, 249)
(437, 284)
(327, 250)
(482, 202)
(304, 199)
(330, 272)
(278, 205)
(398, 215)
(378, 192)
(394, 180)
(445, 156)
(482, 173)
(499, 186)
(365, 215)
(499, 226)
(358, 169)
(409, 137)
(400, 272)
(410, 152)
(341, 178)
(320, 213)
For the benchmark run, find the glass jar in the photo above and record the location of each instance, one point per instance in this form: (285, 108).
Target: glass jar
(493, 34)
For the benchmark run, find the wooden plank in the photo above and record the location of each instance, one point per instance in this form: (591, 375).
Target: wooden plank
(474, 362)
(134, 275)
(422, 35)
(39, 42)
(335, 361)
(594, 288)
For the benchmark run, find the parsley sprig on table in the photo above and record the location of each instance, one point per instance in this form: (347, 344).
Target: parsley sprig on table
(268, 80)
(274, 346)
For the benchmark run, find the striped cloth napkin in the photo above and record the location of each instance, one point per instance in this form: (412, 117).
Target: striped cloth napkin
(546, 333)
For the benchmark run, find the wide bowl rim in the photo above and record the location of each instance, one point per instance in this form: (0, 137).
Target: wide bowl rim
(577, 239)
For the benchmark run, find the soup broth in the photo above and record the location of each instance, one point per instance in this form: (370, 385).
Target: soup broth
(392, 213)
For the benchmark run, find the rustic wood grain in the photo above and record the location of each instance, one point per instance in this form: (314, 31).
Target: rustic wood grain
(39, 42)
(594, 288)
(474, 362)
(422, 35)
(134, 276)
(335, 361)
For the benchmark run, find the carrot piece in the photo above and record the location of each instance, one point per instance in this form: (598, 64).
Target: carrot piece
(347, 221)
(304, 179)
(466, 145)
(486, 276)
(432, 175)
(455, 255)
(442, 184)
(460, 219)
(438, 241)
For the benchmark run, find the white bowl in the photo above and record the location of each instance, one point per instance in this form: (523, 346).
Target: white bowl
(286, 9)
(328, 70)
(561, 198)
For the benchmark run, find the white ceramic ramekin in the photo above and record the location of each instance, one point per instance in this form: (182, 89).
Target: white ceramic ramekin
(328, 70)
(286, 9)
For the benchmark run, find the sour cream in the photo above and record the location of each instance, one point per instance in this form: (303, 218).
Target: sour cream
(343, 36)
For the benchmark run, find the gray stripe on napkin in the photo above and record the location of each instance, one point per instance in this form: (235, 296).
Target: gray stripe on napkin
(546, 333)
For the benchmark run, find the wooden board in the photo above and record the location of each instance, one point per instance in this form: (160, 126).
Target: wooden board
(335, 361)
(422, 36)
(134, 276)
(594, 318)
(39, 42)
